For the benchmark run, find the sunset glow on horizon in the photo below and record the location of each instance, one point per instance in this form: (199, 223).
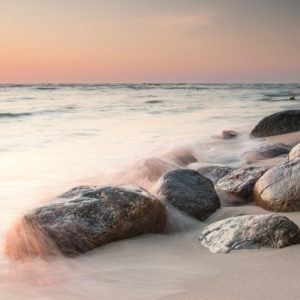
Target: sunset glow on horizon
(149, 41)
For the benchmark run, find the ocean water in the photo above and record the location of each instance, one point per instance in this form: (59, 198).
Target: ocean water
(54, 137)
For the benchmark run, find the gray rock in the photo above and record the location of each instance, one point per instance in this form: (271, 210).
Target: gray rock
(249, 232)
(189, 191)
(295, 152)
(266, 151)
(211, 171)
(279, 188)
(278, 123)
(240, 182)
(228, 134)
(87, 217)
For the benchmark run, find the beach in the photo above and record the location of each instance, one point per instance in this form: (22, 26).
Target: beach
(60, 136)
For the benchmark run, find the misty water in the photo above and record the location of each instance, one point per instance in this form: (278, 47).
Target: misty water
(54, 137)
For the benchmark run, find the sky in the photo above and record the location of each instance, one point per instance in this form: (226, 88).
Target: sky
(101, 41)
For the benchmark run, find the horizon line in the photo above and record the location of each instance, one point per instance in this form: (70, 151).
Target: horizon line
(141, 83)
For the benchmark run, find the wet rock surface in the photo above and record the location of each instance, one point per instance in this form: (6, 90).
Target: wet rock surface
(189, 191)
(211, 171)
(86, 217)
(266, 151)
(240, 183)
(279, 188)
(249, 232)
(278, 123)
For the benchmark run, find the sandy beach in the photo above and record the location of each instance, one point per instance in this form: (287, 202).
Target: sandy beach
(168, 266)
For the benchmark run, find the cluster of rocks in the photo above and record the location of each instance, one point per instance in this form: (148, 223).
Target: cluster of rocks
(276, 189)
(86, 217)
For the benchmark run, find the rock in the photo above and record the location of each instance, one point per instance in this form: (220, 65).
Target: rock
(266, 151)
(240, 182)
(295, 152)
(228, 134)
(189, 191)
(249, 232)
(278, 123)
(151, 168)
(279, 188)
(181, 155)
(211, 171)
(87, 217)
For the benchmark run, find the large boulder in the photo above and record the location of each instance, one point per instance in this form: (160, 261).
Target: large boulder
(279, 188)
(240, 183)
(190, 192)
(249, 232)
(295, 152)
(211, 171)
(278, 123)
(266, 151)
(86, 217)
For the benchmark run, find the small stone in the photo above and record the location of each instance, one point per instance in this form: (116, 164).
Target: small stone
(228, 134)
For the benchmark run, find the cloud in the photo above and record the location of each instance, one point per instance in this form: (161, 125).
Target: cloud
(184, 23)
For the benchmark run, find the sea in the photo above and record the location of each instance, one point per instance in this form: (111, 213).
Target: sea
(57, 136)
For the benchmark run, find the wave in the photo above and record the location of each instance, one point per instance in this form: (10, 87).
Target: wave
(5, 115)
(150, 86)
(15, 115)
(153, 101)
(47, 88)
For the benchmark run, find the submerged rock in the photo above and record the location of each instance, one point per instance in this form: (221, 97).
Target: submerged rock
(151, 168)
(240, 183)
(266, 151)
(87, 217)
(295, 152)
(248, 232)
(182, 156)
(190, 192)
(279, 188)
(278, 123)
(211, 171)
(228, 134)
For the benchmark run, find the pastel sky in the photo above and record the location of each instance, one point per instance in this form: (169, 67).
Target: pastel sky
(149, 41)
